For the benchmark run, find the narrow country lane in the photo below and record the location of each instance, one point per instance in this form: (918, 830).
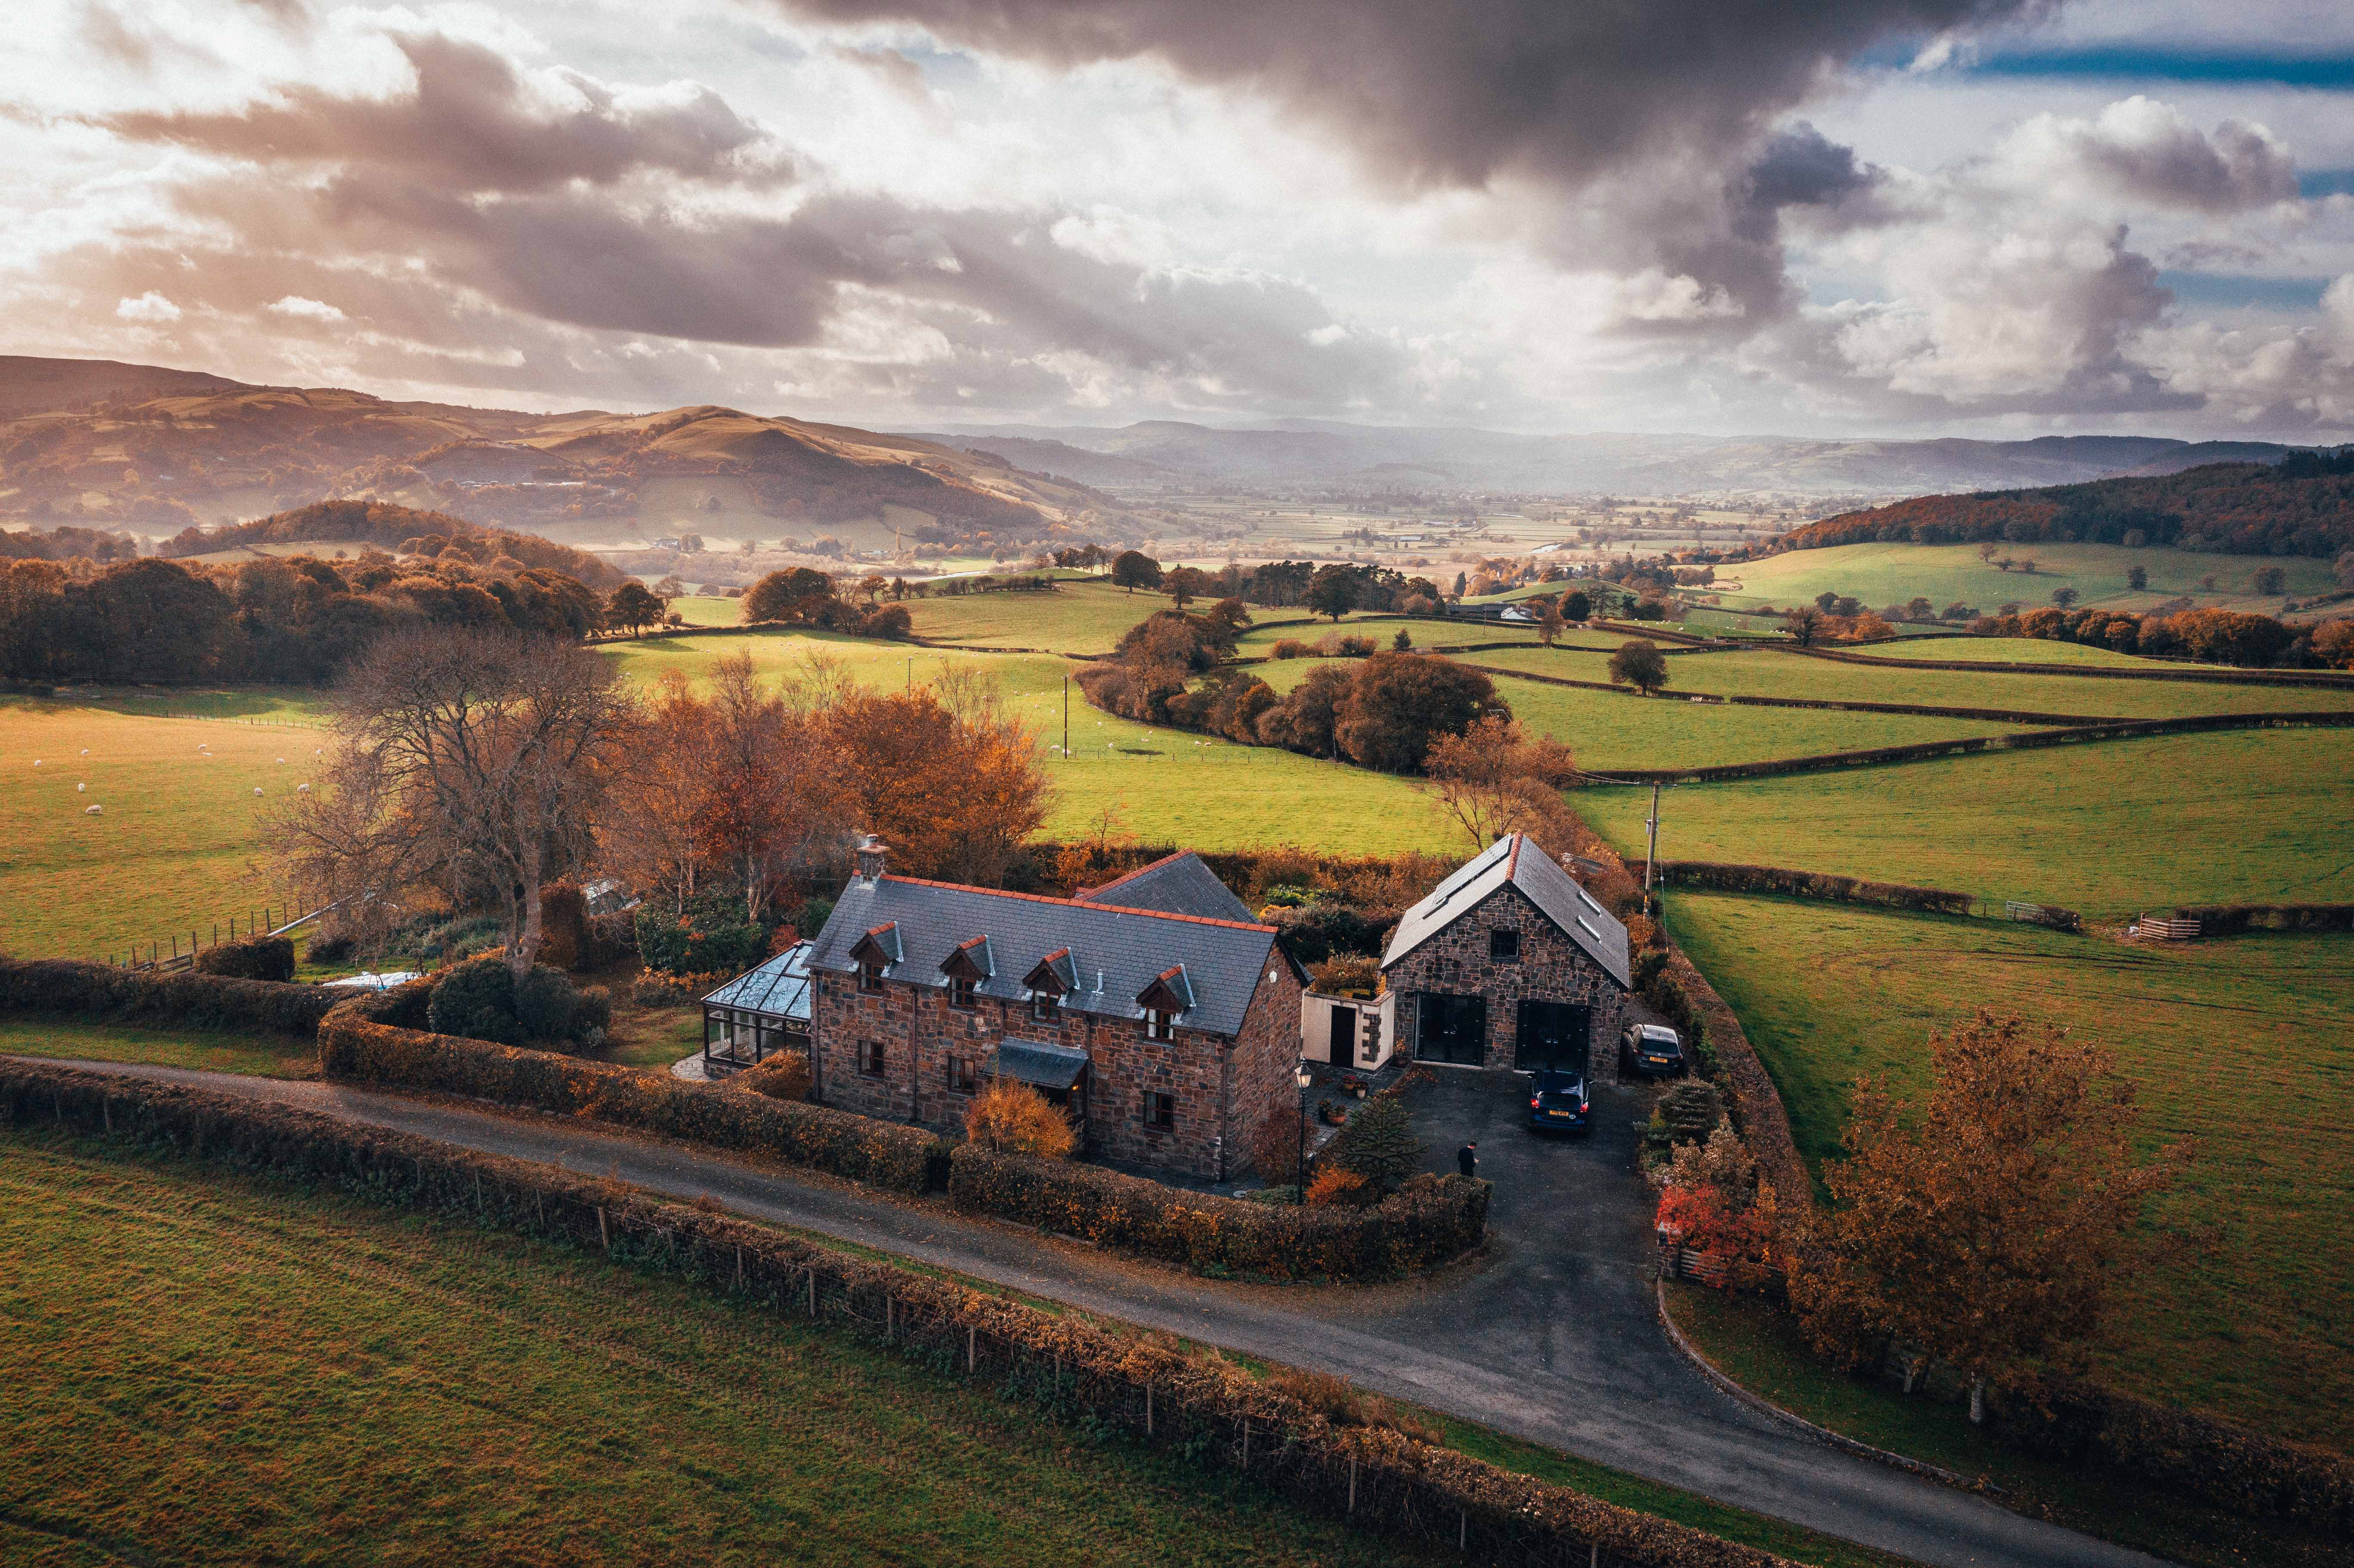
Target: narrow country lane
(1554, 1340)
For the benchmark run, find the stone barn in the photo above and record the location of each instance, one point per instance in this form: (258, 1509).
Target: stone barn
(1165, 1034)
(1510, 964)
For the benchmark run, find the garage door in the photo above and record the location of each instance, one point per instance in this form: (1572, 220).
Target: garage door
(1551, 1035)
(1453, 1029)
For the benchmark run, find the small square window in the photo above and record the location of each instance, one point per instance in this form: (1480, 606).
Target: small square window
(870, 1057)
(960, 993)
(963, 1080)
(1160, 1110)
(1159, 1025)
(1044, 1004)
(870, 978)
(1504, 947)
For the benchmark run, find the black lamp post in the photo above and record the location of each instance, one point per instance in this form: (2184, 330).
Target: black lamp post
(1299, 1176)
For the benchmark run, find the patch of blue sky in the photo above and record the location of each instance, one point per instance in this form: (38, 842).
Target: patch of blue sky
(2314, 184)
(2328, 70)
(2244, 290)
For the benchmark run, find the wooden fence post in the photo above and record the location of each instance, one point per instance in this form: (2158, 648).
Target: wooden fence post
(1353, 1483)
(972, 1349)
(890, 1306)
(602, 1234)
(812, 1274)
(1463, 1531)
(1245, 1442)
(106, 1111)
(1148, 1409)
(739, 1270)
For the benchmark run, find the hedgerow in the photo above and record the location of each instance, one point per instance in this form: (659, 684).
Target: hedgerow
(211, 1001)
(1724, 877)
(255, 957)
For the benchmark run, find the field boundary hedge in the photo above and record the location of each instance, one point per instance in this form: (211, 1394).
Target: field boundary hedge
(1374, 1478)
(2217, 676)
(2237, 919)
(362, 1043)
(1758, 1113)
(1750, 700)
(1724, 877)
(1432, 1220)
(1919, 751)
(176, 996)
(375, 1040)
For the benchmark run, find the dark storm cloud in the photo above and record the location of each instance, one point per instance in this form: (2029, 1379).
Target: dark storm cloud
(474, 122)
(1604, 103)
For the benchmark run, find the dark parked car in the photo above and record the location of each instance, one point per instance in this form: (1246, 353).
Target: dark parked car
(1651, 1051)
(1557, 1101)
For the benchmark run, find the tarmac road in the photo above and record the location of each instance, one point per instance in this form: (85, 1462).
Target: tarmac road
(1554, 1340)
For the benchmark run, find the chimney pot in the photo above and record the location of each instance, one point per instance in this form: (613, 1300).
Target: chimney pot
(870, 856)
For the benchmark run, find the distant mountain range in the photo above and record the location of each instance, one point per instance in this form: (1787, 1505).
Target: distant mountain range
(153, 452)
(1310, 453)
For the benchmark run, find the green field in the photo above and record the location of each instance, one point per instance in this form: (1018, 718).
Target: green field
(271, 1378)
(276, 1375)
(173, 849)
(172, 1046)
(1889, 574)
(2015, 650)
(1773, 673)
(1162, 786)
(1082, 616)
(2240, 1043)
(2117, 828)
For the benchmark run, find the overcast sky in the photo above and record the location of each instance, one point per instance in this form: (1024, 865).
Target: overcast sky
(1988, 217)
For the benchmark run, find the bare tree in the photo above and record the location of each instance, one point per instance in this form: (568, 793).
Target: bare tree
(474, 761)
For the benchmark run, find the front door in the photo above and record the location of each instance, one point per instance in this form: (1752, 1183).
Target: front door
(1343, 1052)
(1551, 1035)
(1452, 1029)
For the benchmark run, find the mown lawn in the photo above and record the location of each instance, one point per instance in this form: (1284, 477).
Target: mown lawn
(2246, 1046)
(2119, 828)
(1882, 574)
(273, 1375)
(173, 848)
(1760, 1347)
(1775, 673)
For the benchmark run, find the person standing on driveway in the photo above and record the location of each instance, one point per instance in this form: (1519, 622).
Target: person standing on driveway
(1467, 1160)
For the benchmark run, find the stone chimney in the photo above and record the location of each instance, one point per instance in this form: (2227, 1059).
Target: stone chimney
(869, 856)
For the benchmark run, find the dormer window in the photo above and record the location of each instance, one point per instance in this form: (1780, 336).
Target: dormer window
(968, 964)
(1170, 993)
(1050, 979)
(960, 991)
(1159, 1025)
(874, 952)
(1046, 1004)
(870, 976)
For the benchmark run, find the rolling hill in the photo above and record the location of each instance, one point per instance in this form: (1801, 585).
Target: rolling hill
(153, 452)
(2302, 506)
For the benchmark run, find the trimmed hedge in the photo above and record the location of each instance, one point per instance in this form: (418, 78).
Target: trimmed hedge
(2214, 674)
(1431, 1220)
(1200, 1405)
(2228, 1466)
(357, 1047)
(2237, 919)
(255, 957)
(1723, 877)
(210, 1002)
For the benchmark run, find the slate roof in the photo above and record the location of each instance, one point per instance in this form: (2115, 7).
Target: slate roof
(1180, 884)
(1513, 859)
(1036, 1062)
(1115, 952)
(780, 987)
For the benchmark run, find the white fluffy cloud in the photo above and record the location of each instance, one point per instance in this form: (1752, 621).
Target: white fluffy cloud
(149, 309)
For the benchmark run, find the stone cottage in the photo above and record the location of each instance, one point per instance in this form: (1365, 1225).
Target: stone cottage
(1510, 964)
(1165, 1034)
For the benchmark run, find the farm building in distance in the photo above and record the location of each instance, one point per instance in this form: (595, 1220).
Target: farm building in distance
(1153, 1009)
(1510, 964)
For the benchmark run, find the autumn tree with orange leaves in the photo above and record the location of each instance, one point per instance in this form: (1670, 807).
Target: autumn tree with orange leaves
(1984, 1229)
(948, 779)
(1494, 779)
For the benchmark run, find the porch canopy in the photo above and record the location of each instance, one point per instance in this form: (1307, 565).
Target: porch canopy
(1053, 1068)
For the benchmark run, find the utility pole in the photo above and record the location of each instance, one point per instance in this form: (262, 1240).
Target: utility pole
(911, 674)
(1651, 856)
(1066, 718)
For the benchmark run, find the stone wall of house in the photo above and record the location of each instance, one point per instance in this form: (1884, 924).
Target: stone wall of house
(922, 1037)
(1266, 1056)
(1551, 967)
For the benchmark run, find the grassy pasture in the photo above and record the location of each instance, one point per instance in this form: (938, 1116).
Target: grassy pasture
(1608, 730)
(1161, 786)
(1774, 673)
(2017, 650)
(176, 1045)
(2240, 1043)
(2119, 828)
(276, 1378)
(1882, 573)
(175, 846)
(381, 1387)
(1083, 616)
